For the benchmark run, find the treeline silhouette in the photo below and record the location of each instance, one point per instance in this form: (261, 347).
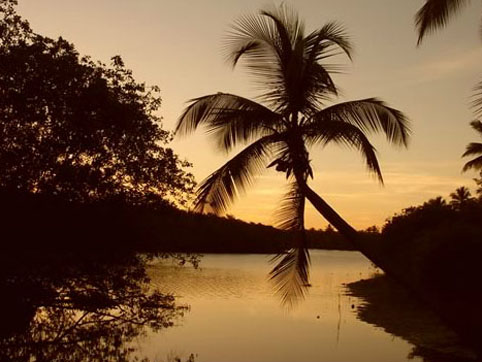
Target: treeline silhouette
(86, 164)
(439, 243)
(437, 248)
(44, 222)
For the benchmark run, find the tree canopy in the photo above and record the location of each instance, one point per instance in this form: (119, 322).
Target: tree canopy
(77, 128)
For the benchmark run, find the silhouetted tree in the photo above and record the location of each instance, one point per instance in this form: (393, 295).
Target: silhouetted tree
(77, 128)
(438, 249)
(460, 197)
(291, 68)
(372, 229)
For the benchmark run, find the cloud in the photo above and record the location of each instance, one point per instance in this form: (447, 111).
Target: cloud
(437, 69)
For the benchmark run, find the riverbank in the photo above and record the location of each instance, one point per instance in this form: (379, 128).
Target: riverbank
(390, 307)
(434, 250)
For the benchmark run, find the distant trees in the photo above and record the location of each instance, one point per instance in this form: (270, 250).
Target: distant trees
(460, 198)
(76, 128)
(463, 212)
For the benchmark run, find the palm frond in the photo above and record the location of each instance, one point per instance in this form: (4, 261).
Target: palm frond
(477, 99)
(263, 41)
(248, 46)
(222, 187)
(290, 276)
(435, 14)
(371, 115)
(288, 65)
(327, 41)
(326, 131)
(230, 118)
(289, 28)
(475, 164)
(254, 38)
(473, 149)
(318, 88)
(319, 46)
(477, 125)
(290, 214)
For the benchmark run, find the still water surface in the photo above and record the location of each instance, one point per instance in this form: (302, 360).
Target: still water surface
(234, 315)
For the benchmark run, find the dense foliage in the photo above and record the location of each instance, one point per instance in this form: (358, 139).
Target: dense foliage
(435, 249)
(77, 139)
(77, 128)
(438, 245)
(71, 228)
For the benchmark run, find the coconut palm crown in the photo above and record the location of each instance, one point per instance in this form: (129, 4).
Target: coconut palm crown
(291, 116)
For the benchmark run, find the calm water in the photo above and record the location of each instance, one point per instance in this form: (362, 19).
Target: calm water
(234, 315)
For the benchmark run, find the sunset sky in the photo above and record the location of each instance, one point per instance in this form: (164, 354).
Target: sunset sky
(178, 46)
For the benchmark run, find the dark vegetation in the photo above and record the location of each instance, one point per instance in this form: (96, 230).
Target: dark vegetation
(78, 129)
(436, 249)
(77, 137)
(79, 308)
(438, 243)
(389, 306)
(84, 162)
(113, 224)
(89, 189)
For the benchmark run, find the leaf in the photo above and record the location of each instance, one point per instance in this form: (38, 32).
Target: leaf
(221, 188)
(229, 118)
(370, 115)
(435, 14)
(325, 132)
(290, 276)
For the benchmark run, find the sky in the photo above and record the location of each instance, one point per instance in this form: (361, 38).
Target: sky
(178, 45)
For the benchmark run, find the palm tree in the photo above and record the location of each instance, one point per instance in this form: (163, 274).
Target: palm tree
(474, 149)
(436, 14)
(460, 197)
(291, 116)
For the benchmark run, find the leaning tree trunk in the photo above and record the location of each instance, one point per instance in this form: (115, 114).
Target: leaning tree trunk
(443, 311)
(351, 234)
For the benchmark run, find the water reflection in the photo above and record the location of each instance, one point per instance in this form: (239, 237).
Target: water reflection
(79, 309)
(387, 305)
(235, 315)
(97, 310)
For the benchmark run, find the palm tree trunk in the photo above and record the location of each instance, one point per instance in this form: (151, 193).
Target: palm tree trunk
(345, 229)
(370, 251)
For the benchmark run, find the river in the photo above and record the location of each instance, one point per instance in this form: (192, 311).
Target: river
(235, 316)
